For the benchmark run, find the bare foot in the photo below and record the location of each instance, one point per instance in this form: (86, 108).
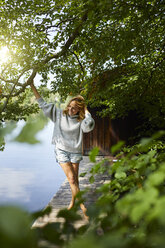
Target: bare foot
(70, 205)
(84, 209)
(86, 217)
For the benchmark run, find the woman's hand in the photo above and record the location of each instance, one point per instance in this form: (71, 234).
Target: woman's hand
(86, 110)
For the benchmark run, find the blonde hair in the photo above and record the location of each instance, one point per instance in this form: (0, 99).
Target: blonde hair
(80, 102)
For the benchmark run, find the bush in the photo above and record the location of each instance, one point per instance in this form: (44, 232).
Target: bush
(129, 211)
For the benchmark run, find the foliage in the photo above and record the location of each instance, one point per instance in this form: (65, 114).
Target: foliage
(93, 154)
(112, 52)
(129, 210)
(15, 229)
(27, 133)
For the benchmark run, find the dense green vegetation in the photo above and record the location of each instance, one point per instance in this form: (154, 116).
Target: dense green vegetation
(129, 211)
(112, 52)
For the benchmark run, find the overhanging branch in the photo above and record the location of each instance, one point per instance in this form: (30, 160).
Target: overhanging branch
(68, 43)
(77, 58)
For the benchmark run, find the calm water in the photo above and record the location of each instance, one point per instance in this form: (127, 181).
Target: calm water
(29, 174)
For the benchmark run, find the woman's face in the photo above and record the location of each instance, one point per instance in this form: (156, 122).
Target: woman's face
(73, 108)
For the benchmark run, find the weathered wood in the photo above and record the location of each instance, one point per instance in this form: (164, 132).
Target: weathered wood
(100, 136)
(63, 196)
(108, 132)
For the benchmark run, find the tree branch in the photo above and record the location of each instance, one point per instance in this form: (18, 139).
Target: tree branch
(68, 43)
(6, 80)
(29, 81)
(82, 68)
(15, 82)
(8, 97)
(40, 29)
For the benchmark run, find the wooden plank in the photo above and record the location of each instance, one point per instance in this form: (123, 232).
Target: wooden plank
(63, 196)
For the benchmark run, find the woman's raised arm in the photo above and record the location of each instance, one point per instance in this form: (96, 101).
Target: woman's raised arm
(36, 93)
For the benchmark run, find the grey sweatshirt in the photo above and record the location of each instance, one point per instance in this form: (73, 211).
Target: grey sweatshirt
(68, 131)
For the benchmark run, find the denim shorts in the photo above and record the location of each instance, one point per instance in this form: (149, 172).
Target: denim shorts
(64, 156)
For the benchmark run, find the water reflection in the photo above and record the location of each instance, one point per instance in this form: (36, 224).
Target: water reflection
(29, 174)
(13, 184)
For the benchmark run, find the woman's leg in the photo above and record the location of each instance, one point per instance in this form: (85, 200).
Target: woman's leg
(72, 178)
(76, 172)
(71, 172)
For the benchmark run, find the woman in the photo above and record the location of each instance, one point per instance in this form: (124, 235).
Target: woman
(69, 126)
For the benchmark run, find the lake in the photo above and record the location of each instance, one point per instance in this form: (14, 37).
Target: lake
(29, 174)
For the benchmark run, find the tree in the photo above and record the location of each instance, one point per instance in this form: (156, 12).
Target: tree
(112, 52)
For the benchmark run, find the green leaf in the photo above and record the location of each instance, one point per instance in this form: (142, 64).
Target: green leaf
(120, 175)
(41, 213)
(93, 154)
(83, 174)
(145, 200)
(158, 134)
(145, 141)
(51, 233)
(155, 179)
(91, 179)
(68, 215)
(15, 228)
(117, 147)
(157, 212)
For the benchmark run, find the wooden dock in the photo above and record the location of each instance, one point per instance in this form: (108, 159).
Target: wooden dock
(63, 196)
